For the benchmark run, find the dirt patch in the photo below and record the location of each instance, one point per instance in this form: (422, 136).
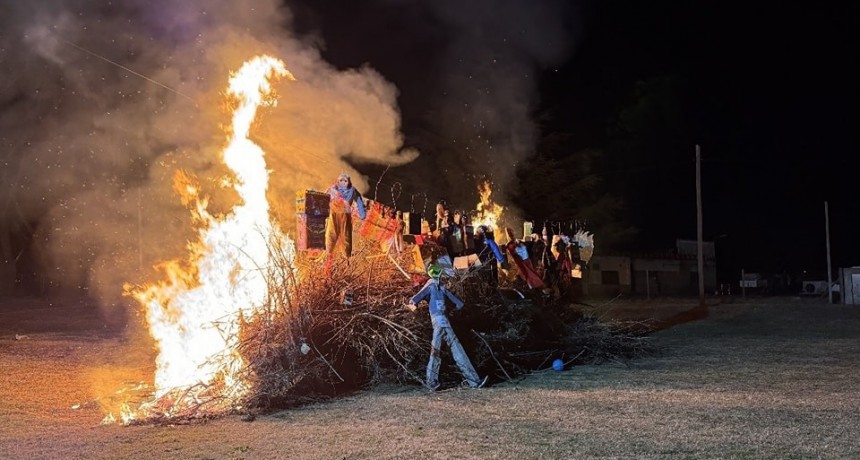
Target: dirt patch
(752, 380)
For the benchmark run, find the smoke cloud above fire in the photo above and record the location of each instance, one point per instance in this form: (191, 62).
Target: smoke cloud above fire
(490, 72)
(469, 76)
(102, 102)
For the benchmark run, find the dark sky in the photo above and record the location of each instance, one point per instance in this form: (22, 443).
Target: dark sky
(768, 89)
(468, 76)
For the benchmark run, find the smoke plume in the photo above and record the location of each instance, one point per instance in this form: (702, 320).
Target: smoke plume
(487, 62)
(102, 102)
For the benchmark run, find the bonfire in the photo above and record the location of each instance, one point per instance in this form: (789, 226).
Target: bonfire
(489, 213)
(245, 324)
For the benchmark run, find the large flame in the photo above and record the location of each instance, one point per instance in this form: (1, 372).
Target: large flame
(194, 314)
(489, 212)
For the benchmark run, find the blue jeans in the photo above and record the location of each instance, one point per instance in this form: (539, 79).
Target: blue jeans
(446, 332)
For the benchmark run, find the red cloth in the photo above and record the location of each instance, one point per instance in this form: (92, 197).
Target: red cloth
(378, 226)
(525, 269)
(565, 266)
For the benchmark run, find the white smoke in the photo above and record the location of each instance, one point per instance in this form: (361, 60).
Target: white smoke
(491, 63)
(103, 103)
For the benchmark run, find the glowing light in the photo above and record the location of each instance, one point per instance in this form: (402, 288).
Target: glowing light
(489, 213)
(195, 312)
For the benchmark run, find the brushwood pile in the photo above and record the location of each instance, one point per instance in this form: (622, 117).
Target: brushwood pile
(331, 333)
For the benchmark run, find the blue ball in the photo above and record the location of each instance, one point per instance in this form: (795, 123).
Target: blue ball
(558, 365)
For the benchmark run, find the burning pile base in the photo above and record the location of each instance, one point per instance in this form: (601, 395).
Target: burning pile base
(351, 329)
(328, 334)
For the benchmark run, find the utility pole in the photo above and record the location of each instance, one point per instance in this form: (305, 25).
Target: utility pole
(648, 284)
(827, 237)
(139, 231)
(700, 248)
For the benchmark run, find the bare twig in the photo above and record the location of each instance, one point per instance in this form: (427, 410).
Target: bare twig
(328, 363)
(492, 354)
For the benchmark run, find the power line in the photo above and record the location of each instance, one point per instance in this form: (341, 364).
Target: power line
(81, 48)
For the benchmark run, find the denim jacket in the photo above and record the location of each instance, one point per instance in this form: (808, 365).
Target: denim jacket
(437, 294)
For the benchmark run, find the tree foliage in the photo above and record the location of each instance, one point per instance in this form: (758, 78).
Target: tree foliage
(558, 185)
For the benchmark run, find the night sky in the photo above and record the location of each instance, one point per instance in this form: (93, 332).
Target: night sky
(768, 89)
(613, 95)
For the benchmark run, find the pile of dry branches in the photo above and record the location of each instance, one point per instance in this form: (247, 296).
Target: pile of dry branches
(327, 334)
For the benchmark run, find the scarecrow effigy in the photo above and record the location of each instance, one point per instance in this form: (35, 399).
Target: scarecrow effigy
(400, 230)
(455, 236)
(519, 254)
(338, 229)
(441, 215)
(442, 330)
(488, 253)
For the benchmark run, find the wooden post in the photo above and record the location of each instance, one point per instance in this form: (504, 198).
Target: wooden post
(700, 250)
(827, 237)
(648, 284)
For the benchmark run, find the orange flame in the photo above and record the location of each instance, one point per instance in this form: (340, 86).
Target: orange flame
(194, 314)
(489, 213)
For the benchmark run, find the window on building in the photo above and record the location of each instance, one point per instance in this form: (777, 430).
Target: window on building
(609, 277)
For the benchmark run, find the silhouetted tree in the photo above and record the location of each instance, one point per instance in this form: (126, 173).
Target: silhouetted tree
(559, 186)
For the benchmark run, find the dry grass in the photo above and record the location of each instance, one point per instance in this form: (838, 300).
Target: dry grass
(752, 381)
